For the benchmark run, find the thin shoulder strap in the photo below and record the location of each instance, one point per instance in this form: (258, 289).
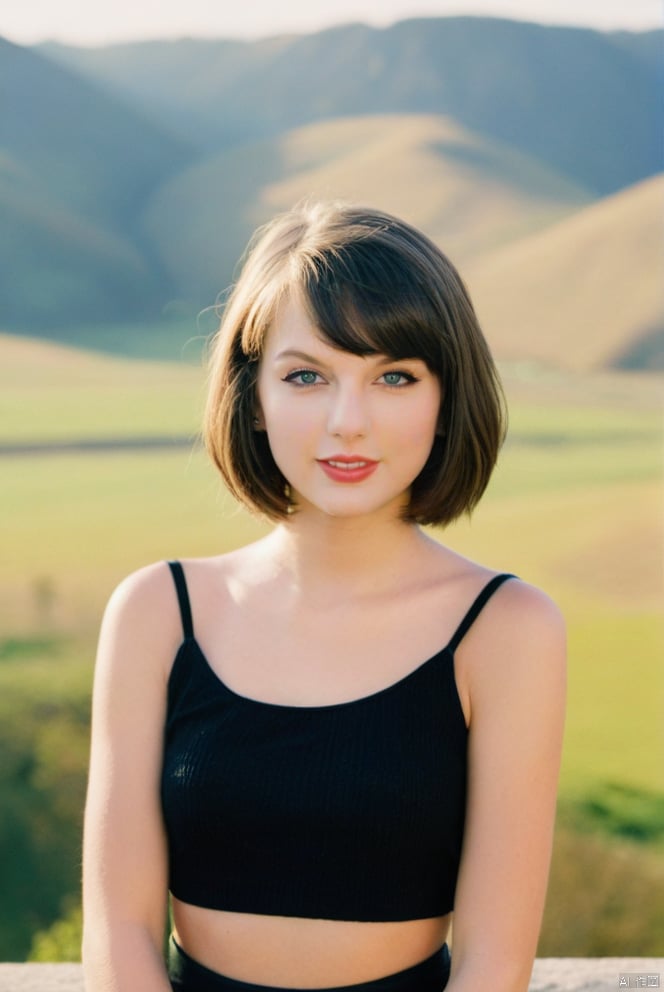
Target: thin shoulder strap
(476, 608)
(183, 597)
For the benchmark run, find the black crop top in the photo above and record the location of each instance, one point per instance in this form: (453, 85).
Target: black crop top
(348, 811)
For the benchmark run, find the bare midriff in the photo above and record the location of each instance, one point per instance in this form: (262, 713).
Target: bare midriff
(295, 952)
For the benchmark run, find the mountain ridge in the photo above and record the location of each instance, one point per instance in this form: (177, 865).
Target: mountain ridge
(579, 99)
(131, 176)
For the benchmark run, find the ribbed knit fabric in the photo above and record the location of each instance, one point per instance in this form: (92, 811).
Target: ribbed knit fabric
(351, 811)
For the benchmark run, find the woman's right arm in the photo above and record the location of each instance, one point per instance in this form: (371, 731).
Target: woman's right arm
(124, 851)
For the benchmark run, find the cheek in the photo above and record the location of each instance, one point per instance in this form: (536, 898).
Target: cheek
(283, 427)
(290, 438)
(418, 425)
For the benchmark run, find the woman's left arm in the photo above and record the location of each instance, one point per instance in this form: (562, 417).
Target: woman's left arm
(514, 666)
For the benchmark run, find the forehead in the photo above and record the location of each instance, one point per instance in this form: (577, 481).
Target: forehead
(291, 324)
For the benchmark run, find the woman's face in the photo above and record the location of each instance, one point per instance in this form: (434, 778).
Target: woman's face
(349, 433)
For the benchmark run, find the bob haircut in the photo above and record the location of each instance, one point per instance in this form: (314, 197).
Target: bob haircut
(372, 284)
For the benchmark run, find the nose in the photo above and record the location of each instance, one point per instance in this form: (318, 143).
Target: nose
(348, 414)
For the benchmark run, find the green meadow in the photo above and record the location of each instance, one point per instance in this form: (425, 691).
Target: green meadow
(575, 507)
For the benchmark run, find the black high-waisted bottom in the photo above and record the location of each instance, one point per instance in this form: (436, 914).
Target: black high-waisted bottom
(187, 975)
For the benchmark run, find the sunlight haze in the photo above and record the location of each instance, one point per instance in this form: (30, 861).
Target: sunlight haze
(78, 22)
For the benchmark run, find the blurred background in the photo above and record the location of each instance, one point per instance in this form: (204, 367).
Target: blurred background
(139, 148)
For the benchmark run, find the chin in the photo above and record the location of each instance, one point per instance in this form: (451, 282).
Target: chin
(349, 508)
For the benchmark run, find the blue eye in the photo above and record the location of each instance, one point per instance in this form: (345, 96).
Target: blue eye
(302, 377)
(398, 378)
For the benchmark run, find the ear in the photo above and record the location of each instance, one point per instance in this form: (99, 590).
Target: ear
(258, 421)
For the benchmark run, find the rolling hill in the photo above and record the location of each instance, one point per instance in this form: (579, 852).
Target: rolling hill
(469, 193)
(56, 264)
(84, 147)
(131, 176)
(75, 166)
(583, 101)
(586, 292)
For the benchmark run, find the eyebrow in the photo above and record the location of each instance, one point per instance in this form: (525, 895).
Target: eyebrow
(294, 353)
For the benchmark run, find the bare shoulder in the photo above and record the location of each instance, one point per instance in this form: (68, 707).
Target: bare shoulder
(143, 589)
(515, 611)
(221, 581)
(142, 623)
(516, 650)
(143, 595)
(521, 611)
(143, 613)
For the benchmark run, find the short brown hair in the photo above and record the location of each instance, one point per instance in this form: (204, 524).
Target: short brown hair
(372, 285)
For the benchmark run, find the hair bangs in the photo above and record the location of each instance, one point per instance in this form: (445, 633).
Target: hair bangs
(364, 302)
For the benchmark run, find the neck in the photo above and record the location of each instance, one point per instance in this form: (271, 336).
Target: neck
(324, 556)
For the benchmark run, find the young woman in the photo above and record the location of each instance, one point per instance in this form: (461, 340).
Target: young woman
(327, 741)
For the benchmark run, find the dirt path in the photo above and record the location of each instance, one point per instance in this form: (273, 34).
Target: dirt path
(96, 445)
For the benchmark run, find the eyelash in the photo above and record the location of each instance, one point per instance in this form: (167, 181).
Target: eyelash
(407, 376)
(292, 377)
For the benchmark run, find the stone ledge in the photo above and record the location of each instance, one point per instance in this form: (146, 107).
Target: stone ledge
(549, 975)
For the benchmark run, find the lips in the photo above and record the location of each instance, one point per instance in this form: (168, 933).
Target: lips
(348, 468)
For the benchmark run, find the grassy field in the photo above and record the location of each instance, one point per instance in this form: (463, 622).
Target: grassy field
(575, 506)
(54, 392)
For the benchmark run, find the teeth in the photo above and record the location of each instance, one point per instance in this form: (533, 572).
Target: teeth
(347, 465)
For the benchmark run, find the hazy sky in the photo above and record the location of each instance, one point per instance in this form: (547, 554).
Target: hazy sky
(87, 23)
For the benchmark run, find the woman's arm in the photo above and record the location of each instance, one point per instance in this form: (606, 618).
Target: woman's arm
(124, 850)
(514, 666)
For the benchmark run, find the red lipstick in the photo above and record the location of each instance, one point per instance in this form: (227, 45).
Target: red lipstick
(348, 468)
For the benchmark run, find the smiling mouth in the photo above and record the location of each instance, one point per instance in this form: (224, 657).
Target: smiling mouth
(351, 469)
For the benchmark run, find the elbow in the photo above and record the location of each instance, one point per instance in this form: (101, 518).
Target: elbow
(113, 953)
(95, 957)
(95, 939)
